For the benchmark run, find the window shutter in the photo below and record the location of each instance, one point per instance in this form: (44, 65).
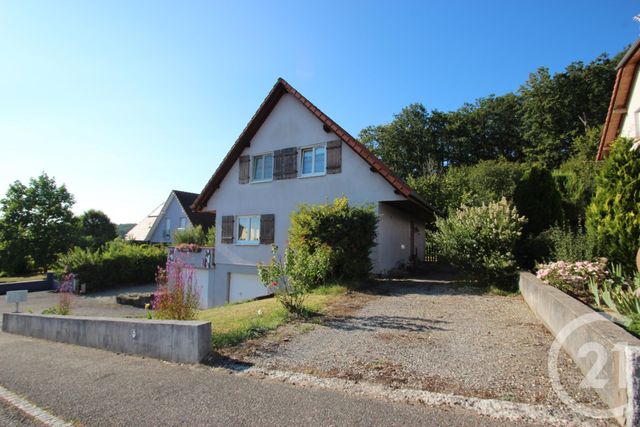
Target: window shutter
(334, 156)
(267, 229)
(227, 229)
(245, 163)
(285, 163)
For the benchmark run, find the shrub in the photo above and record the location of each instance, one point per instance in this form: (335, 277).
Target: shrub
(177, 296)
(349, 231)
(575, 180)
(532, 250)
(612, 217)
(211, 237)
(620, 293)
(190, 235)
(119, 263)
(65, 297)
(570, 245)
(573, 277)
(537, 198)
(291, 277)
(481, 239)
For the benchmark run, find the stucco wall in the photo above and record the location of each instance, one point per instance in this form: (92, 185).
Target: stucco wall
(290, 125)
(394, 237)
(631, 125)
(174, 212)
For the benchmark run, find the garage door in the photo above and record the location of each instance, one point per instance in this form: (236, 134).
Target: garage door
(243, 287)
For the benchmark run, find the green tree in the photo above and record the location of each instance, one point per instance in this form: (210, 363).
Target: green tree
(412, 144)
(96, 228)
(36, 224)
(613, 215)
(488, 129)
(556, 109)
(538, 199)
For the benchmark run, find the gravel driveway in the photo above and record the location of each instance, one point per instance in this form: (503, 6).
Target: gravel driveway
(432, 334)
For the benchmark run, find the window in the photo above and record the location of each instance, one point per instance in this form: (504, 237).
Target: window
(262, 168)
(313, 161)
(183, 222)
(249, 230)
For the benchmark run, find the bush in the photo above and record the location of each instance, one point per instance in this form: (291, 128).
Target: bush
(570, 245)
(612, 217)
(537, 198)
(573, 277)
(575, 180)
(119, 263)
(177, 296)
(481, 240)
(291, 277)
(349, 231)
(194, 235)
(533, 250)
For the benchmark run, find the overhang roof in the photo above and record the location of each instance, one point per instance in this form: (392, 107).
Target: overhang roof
(625, 77)
(279, 89)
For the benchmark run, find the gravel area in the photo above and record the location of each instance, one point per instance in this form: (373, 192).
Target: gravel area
(431, 334)
(12, 417)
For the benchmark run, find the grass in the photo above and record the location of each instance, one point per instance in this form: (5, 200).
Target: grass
(235, 323)
(11, 279)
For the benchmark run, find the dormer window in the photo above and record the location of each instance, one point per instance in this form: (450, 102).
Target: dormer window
(313, 161)
(262, 169)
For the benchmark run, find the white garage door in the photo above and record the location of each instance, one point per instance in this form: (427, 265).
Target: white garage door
(243, 287)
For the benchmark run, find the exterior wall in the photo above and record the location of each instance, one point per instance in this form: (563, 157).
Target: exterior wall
(394, 238)
(631, 122)
(174, 212)
(290, 124)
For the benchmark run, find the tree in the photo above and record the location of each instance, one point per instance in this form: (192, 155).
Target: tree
(412, 144)
(538, 199)
(36, 224)
(97, 229)
(612, 216)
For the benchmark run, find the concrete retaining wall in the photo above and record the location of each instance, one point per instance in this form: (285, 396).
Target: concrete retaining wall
(176, 341)
(31, 285)
(591, 339)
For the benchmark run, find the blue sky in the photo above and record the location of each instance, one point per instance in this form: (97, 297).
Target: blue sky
(124, 101)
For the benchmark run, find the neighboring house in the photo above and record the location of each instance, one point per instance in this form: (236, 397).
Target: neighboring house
(172, 215)
(292, 153)
(623, 117)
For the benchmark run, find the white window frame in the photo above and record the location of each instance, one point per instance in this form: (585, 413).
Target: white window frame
(237, 230)
(313, 149)
(252, 164)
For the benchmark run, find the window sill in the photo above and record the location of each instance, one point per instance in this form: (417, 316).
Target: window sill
(261, 181)
(252, 243)
(313, 175)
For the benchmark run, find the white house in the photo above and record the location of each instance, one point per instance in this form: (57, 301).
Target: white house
(292, 153)
(623, 117)
(174, 214)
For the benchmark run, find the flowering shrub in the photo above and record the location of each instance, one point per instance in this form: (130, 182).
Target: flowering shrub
(65, 297)
(573, 277)
(188, 247)
(292, 276)
(481, 240)
(177, 296)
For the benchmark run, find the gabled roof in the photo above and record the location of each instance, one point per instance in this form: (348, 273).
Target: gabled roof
(204, 219)
(627, 70)
(279, 89)
(141, 232)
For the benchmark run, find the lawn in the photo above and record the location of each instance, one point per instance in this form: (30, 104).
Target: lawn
(234, 323)
(11, 279)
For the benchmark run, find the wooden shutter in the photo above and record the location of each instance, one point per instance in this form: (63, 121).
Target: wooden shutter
(227, 229)
(267, 229)
(245, 163)
(334, 156)
(285, 163)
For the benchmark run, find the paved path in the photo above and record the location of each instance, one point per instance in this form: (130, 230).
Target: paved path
(95, 304)
(97, 388)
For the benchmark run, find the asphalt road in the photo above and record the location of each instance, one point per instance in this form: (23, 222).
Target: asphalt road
(98, 388)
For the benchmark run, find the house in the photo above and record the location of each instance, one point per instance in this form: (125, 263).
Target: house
(623, 117)
(174, 214)
(292, 153)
